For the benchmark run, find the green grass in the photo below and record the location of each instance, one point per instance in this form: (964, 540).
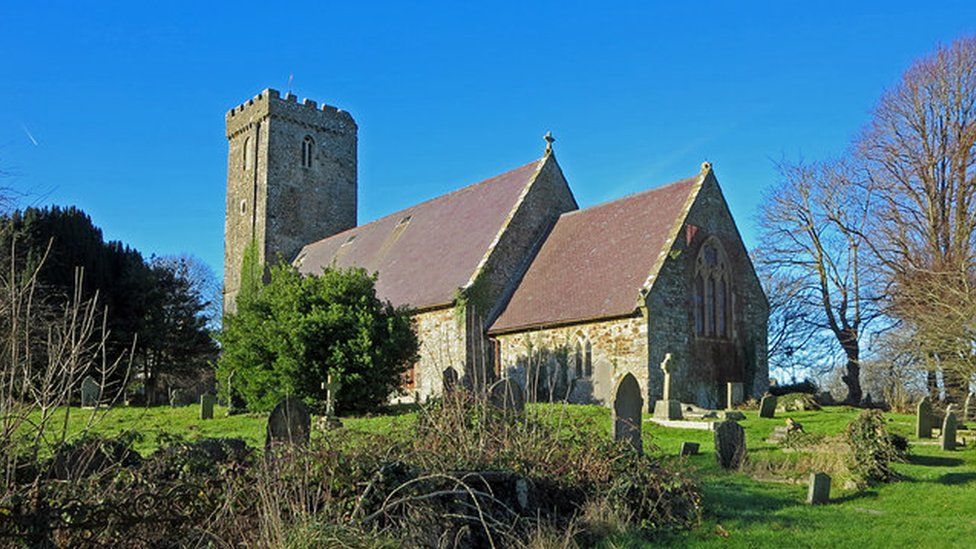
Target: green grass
(934, 505)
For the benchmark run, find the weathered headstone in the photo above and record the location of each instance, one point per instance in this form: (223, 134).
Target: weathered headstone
(819, 491)
(923, 418)
(949, 426)
(969, 411)
(689, 449)
(289, 423)
(449, 379)
(207, 402)
(506, 394)
(734, 394)
(767, 406)
(627, 405)
(177, 397)
(90, 392)
(730, 444)
(666, 408)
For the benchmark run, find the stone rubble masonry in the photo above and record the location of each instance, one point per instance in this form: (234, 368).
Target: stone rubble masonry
(508, 257)
(619, 347)
(663, 323)
(442, 346)
(702, 367)
(274, 199)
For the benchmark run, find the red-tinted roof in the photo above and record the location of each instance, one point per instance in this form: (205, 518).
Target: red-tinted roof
(595, 261)
(423, 254)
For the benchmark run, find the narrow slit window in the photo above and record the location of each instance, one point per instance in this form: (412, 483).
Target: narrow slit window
(308, 150)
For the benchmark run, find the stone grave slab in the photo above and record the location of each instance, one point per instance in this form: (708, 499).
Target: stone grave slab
(923, 418)
(730, 444)
(90, 392)
(819, 490)
(207, 402)
(689, 449)
(289, 423)
(767, 406)
(506, 394)
(734, 394)
(949, 427)
(627, 406)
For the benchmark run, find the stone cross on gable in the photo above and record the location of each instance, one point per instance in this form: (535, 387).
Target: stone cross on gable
(549, 141)
(667, 376)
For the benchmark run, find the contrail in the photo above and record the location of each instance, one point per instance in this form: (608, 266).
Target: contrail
(29, 136)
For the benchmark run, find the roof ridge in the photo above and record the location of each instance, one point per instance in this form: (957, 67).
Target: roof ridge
(692, 179)
(468, 187)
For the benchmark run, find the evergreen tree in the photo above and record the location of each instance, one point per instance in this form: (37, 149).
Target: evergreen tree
(290, 335)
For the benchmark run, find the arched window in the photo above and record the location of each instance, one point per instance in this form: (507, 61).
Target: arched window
(246, 154)
(582, 359)
(712, 292)
(308, 148)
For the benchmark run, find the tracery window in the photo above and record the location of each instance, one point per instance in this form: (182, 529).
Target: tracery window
(712, 300)
(308, 148)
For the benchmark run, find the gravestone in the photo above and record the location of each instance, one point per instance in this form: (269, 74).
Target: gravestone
(329, 421)
(289, 423)
(207, 402)
(767, 406)
(449, 379)
(730, 444)
(506, 394)
(969, 411)
(689, 449)
(819, 491)
(734, 394)
(949, 426)
(177, 397)
(923, 418)
(90, 392)
(627, 405)
(666, 408)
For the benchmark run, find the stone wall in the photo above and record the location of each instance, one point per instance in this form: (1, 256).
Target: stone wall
(271, 196)
(701, 366)
(442, 346)
(537, 210)
(617, 347)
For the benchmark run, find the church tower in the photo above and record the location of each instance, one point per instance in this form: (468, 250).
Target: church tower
(291, 179)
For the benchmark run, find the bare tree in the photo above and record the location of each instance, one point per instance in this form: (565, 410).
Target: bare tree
(202, 280)
(920, 153)
(811, 226)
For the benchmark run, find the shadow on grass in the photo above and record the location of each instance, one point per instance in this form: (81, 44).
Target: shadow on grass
(956, 478)
(744, 501)
(934, 461)
(863, 494)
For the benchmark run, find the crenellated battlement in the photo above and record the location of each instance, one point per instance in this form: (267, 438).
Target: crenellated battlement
(270, 101)
(291, 179)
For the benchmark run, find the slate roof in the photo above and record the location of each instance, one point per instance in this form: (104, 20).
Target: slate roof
(595, 261)
(424, 253)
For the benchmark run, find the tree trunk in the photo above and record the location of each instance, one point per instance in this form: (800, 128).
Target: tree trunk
(852, 374)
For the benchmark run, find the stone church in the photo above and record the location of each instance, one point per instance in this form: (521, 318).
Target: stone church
(508, 277)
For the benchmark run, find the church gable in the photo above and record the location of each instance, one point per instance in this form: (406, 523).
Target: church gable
(706, 307)
(595, 262)
(425, 253)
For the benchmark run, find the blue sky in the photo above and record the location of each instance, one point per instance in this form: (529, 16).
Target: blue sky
(119, 108)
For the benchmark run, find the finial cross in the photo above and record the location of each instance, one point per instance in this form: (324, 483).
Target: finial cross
(549, 141)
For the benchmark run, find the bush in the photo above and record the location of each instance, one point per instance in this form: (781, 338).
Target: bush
(797, 402)
(872, 449)
(465, 475)
(289, 335)
(806, 386)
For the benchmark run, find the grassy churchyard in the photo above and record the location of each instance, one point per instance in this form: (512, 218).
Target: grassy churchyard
(933, 500)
